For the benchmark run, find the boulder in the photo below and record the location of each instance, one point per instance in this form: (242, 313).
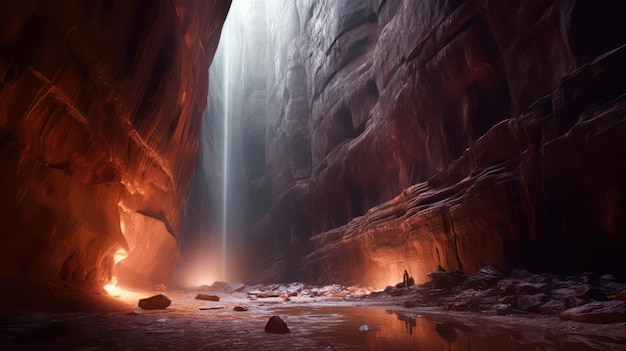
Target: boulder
(156, 302)
(276, 325)
(597, 312)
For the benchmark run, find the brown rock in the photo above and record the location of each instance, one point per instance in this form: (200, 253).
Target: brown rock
(207, 297)
(437, 147)
(276, 325)
(597, 312)
(621, 296)
(100, 112)
(156, 302)
(240, 308)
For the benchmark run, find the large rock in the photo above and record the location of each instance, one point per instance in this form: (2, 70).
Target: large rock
(100, 108)
(276, 325)
(156, 302)
(470, 139)
(597, 312)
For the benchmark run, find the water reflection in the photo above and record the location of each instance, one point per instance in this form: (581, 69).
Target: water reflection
(377, 329)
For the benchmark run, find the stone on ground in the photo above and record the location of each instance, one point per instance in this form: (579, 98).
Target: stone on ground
(597, 312)
(156, 302)
(207, 297)
(276, 325)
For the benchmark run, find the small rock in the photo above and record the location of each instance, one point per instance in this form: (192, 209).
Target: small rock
(156, 302)
(285, 297)
(161, 320)
(552, 307)
(410, 304)
(597, 312)
(445, 280)
(530, 288)
(503, 309)
(220, 286)
(365, 327)
(207, 297)
(134, 313)
(240, 308)
(276, 325)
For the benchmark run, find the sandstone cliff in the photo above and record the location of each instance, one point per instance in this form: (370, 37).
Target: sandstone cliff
(413, 134)
(100, 106)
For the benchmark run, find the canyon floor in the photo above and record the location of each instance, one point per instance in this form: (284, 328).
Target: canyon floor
(319, 318)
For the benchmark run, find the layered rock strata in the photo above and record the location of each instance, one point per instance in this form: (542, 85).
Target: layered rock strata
(406, 134)
(100, 106)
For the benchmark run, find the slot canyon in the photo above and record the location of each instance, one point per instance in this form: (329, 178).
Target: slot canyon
(299, 158)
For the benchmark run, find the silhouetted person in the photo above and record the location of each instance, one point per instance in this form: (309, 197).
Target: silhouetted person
(405, 279)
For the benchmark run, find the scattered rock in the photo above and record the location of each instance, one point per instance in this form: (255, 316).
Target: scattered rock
(156, 302)
(240, 308)
(276, 325)
(530, 288)
(285, 297)
(597, 312)
(552, 307)
(220, 286)
(445, 280)
(207, 297)
(134, 313)
(210, 308)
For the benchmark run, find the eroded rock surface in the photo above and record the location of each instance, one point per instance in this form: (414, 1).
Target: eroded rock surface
(457, 134)
(156, 302)
(100, 107)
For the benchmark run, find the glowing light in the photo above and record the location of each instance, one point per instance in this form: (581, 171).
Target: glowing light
(111, 287)
(119, 256)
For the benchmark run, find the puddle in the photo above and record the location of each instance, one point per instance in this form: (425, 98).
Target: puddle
(377, 329)
(323, 325)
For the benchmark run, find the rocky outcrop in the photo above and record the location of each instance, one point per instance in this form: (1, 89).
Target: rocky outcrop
(100, 107)
(455, 133)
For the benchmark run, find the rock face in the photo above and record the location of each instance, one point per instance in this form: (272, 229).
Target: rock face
(100, 107)
(417, 134)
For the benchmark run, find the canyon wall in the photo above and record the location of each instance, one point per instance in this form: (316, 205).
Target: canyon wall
(100, 108)
(454, 134)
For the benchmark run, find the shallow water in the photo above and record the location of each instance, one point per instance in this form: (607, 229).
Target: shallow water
(314, 325)
(378, 329)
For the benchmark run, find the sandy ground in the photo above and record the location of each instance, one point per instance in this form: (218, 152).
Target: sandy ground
(97, 322)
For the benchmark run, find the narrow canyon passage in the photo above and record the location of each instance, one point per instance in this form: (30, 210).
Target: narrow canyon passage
(381, 174)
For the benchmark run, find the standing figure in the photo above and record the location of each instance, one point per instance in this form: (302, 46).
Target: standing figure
(405, 279)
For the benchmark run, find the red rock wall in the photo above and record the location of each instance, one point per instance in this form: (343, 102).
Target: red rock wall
(497, 122)
(100, 106)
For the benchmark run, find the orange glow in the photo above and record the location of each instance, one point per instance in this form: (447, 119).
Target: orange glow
(111, 287)
(119, 255)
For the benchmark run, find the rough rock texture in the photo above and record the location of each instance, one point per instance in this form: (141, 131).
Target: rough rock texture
(156, 302)
(416, 134)
(597, 312)
(100, 106)
(276, 325)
